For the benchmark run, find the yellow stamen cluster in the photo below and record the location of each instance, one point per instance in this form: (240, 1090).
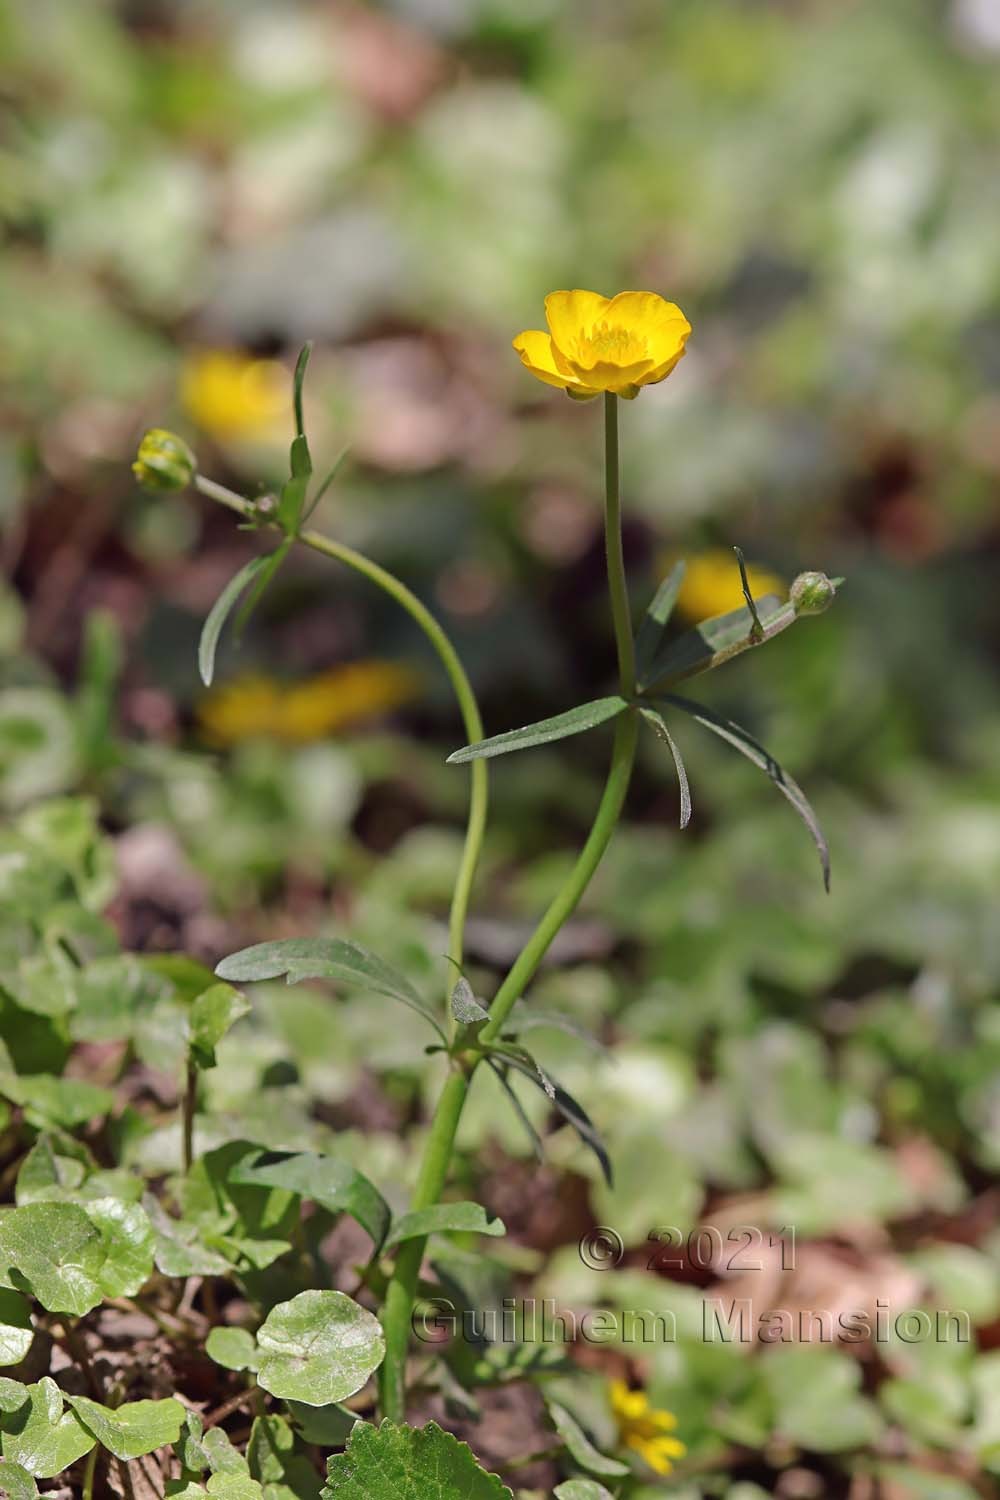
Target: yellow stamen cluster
(594, 343)
(644, 1429)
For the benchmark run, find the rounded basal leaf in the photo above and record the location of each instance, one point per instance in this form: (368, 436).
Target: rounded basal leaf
(15, 1482)
(318, 1348)
(177, 1246)
(232, 1348)
(232, 1486)
(16, 1332)
(58, 1101)
(409, 1463)
(53, 1251)
(579, 1446)
(128, 1245)
(459, 1218)
(45, 1177)
(40, 1436)
(131, 1430)
(13, 1394)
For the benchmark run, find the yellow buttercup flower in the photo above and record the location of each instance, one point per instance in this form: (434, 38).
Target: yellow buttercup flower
(644, 1429)
(711, 584)
(596, 343)
(232, 395)
(257, 707)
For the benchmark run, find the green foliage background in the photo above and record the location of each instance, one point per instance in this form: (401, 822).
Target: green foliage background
(816, 185)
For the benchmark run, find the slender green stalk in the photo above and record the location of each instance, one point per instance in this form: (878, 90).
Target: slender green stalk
(620, 613)
(462, 688)
(188, 1107)
(398, 1309)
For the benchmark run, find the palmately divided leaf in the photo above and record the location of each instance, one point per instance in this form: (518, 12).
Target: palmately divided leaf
(219, 614)
(656, 619)
(131, 1430)
(579, 1446)
(659, 727)
(324, 958)
(755, 752)
(574, 721)
(318, 1348)
(41, 1436)
(328, 1182)
(456, 1218)
(409, 1463)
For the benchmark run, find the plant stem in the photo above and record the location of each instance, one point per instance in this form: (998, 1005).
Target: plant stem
(620, 613)
(398, 1308)
(188, 1106)
(89, 1472)
(448, 656)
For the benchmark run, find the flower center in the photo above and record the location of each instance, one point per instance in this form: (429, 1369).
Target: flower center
(611, 344)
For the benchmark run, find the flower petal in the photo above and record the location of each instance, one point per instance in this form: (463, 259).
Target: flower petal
(605, 376)
(570, 314)
(537, 355)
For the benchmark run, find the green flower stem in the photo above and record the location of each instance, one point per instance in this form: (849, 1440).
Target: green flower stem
(620, 613)
(398, 1309)
(466, 698)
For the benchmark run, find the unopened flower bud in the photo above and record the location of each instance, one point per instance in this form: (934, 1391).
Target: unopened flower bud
(812, 593)
(164, 461)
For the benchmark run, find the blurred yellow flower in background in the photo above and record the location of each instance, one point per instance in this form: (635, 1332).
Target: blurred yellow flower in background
(711, 584)
(232, 395)
(258, 707)
(596, 343)
(644, 1429)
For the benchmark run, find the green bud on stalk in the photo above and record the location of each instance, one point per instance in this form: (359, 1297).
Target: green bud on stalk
(812, 593)
(164, 461)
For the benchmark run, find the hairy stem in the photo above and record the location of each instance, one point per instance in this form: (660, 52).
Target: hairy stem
(398, 1309)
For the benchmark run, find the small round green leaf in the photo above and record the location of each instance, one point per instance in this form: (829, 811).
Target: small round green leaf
(232, 1348)
(581, 1489)
(40, 1436)
(128, 1245)
(15, 1482)
(318, 1348)
(134, 1429)
(16, 1332)
(56, 1253)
